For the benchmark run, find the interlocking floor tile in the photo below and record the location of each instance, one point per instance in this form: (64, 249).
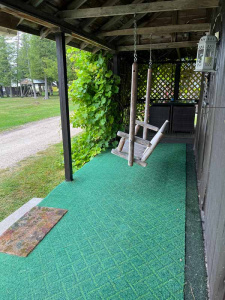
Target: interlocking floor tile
(122, 238)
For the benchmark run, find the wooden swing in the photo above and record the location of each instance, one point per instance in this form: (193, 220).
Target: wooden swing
(131, 146)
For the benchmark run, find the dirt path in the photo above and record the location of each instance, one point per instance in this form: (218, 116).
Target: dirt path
(27, 140)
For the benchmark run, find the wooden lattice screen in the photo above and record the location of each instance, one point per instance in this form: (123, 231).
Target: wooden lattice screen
(190, 82)
(163, 84)
(163, 80)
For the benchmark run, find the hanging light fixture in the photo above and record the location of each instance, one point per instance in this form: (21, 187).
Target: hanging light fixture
(206, 54)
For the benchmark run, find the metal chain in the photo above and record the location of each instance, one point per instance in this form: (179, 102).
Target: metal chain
(135, 39)
(150, 50)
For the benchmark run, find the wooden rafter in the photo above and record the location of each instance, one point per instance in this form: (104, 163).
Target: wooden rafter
(85, 24)
(160, 29)
(114, 20)
(28, 12)
(110, 23)
(138, 8)
(131, 24)
(171, 45)
(46, 31)
(75, 4)
(72, 5)
(24, 16)
(36, 3)
(174, 34)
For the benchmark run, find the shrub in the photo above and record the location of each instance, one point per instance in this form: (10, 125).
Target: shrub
(96, 105)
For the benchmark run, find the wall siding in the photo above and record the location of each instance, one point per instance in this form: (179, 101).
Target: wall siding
(210, 152)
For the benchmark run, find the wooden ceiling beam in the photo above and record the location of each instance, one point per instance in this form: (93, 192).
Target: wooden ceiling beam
(188, 44)
(138, 8)
(159, 29)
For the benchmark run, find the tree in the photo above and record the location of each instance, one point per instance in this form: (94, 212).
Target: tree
(43, 60)
(28, 56)
(7, 63)
(24, 60)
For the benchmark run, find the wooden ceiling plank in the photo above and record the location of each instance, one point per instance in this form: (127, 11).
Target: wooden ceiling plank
(75, 4)
(138, 8)
(159, 29)
(131, 24)
(90, 21)
(8, 21)
(174, 22)
(171, 45)
(116, 19)
(174, 35)
(143, 24)
(36, 3)
(113, 21)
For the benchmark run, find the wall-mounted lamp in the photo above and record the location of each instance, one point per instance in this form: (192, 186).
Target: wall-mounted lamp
(206, 54)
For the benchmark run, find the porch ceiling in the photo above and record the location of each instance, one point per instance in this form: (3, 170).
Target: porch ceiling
(99, 24)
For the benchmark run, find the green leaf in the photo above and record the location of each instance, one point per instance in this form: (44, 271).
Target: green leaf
(109, 74)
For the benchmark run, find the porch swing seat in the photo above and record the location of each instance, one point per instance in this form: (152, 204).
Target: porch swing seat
(142, 148)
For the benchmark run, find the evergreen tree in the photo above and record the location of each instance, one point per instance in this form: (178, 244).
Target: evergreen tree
(7, 71)
(28, 56)
(43, 60)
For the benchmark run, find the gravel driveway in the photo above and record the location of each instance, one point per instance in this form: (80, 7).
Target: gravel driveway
(27, 140)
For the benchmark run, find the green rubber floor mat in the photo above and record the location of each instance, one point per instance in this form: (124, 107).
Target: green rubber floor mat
(123, 236)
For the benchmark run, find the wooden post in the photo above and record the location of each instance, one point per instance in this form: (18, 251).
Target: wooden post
(133, 105)
(46, 88)
(147, 102)
(116, 67)
(177, 82)
(64, 105)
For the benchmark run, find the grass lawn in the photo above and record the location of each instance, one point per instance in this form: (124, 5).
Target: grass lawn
(34, 177)
(19, 111)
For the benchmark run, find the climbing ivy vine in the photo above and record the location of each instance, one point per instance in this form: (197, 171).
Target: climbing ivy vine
(95, 94)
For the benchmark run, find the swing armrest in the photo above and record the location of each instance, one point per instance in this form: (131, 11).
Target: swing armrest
(143, 124)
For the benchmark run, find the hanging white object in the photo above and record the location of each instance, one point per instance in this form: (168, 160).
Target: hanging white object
(206, 54)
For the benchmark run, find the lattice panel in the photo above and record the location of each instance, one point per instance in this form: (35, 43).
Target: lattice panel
(163, 77)
(190, 82)
(142, 80)
(162, 81)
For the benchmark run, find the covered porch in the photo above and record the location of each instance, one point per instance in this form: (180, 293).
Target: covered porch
(130, 233)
